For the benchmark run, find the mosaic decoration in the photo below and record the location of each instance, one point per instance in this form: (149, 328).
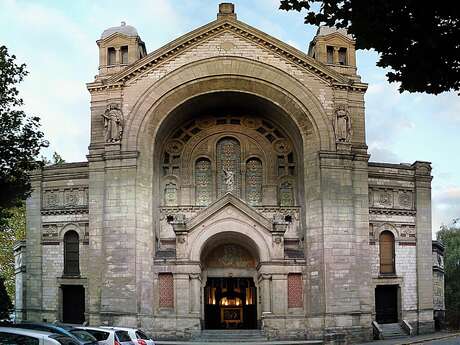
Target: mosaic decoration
(228, 167)
(286, 194)
(170, 194)
(203, 182)
(254, 182)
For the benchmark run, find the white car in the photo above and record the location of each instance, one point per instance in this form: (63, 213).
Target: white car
(11, 335)
(137, 336)
(108, 335)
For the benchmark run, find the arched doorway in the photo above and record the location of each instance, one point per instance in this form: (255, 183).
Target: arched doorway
(230, 290)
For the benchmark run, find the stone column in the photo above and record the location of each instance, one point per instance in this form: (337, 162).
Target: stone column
(424, 246)
(20, 273)
(266, 293)
(279, 292)
(182, 286)
(34, 291)
(195, 292)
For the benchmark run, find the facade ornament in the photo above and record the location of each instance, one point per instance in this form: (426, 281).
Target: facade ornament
(342, 124)
(229, 180)
(113, 123)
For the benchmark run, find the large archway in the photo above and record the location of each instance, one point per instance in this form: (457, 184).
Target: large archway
(229, 264)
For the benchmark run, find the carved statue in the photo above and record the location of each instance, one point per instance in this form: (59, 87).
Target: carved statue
(342, 125)
(113, 123)
(229, 179)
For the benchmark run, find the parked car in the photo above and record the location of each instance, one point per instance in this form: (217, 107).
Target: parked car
(137, 336)
(81, 337)
(108, 335)
(20, 336)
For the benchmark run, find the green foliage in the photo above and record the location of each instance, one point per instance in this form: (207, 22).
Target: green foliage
(13, 231)
(56, 160)
(20, 138)
(450, 237)
(419, 42)
(5, 302)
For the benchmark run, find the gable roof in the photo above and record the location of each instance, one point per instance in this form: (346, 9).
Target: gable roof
(228, 200)
(214, 28)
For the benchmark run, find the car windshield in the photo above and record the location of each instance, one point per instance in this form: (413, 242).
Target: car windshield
(63, 340)
(83, 335)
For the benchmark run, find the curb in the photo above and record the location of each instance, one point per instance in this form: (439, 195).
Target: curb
(421, 341)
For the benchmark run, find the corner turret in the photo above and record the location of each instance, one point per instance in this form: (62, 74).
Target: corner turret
(119, 46)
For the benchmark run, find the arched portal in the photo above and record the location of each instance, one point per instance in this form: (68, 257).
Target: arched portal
(229, 267)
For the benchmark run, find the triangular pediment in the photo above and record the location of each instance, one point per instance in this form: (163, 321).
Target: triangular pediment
(228, 201)
(217, 27)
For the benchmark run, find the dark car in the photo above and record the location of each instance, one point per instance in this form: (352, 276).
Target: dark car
(81, 336)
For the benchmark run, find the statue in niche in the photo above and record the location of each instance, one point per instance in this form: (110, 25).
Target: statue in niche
(113, 123)
(229, 180)
(342, 125)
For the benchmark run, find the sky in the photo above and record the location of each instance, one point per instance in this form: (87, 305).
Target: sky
(57, 42)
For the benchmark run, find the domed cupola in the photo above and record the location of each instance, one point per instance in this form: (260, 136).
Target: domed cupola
(119, 47)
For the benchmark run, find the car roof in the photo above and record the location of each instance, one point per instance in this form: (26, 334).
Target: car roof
(120, 328)
(95, 328)
(24, 331)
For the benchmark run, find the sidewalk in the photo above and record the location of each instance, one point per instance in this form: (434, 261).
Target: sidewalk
(418, 339)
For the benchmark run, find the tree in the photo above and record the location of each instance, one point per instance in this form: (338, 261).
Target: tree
(20, 137)
(418, 41)
(5, 302)
(13, 231)
(450, 237)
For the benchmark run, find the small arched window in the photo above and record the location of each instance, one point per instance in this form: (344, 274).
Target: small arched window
(71, 254)
(254, 182)
(387, 252)
(203, 182)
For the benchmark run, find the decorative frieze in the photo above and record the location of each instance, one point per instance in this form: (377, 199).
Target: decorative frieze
(391, 198)
(65, 198)
(52, 232)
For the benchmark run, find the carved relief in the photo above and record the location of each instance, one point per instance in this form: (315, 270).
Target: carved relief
(62, 198)
(342, 124)
(282, 146)
(113, 123)
(230, 255)
(386, 198)
(51, 199)
(174, 147)
(405, 199)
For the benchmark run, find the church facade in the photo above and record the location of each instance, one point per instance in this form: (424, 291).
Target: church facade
(228, 186)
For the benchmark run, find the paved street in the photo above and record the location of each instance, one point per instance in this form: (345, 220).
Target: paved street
(440, 338)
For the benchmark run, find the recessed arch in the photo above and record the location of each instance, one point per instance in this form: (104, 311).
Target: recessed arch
(240, 75)
(235, 231)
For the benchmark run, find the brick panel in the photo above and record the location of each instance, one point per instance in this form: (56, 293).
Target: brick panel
(295, 290)
(166, 288)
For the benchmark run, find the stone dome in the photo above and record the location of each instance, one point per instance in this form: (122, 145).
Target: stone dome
(124, 29)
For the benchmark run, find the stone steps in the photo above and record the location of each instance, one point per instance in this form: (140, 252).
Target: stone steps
(392, 331)
(225, 337)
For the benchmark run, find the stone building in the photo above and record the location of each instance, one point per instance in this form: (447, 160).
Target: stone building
(228, 186)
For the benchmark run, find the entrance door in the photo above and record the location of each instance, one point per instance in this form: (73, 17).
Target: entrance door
(386, 303)
(230, 303)
(73, 304)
